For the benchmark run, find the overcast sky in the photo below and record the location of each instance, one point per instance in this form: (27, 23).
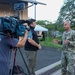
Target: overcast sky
(46, 12)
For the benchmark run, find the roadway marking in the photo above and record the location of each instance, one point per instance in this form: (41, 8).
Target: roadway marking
(45, 69)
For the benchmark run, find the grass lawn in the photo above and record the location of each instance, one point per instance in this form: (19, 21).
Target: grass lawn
(49, 43)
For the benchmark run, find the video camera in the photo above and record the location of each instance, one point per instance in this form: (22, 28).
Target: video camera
(13, 26)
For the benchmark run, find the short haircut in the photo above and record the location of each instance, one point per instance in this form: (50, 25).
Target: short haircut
(32, 20)
(67, 21)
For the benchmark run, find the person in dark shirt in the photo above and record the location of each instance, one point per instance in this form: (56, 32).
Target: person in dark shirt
(31, 47)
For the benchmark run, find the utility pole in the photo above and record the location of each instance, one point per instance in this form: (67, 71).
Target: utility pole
(35, 11)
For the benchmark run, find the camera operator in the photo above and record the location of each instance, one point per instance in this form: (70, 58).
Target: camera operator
(31, 46)
(6, 42)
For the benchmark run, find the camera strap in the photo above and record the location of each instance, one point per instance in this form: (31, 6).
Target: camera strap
(14, 54)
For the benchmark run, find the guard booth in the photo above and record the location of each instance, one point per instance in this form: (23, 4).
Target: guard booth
(7, 7)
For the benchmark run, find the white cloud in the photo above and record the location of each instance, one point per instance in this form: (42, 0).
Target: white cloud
(49, 12)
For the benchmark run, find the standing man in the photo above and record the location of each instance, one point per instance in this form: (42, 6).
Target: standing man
(31, 47)
(68, 52)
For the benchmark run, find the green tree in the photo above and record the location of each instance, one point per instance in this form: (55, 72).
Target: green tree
(67, 11)
(43, 22)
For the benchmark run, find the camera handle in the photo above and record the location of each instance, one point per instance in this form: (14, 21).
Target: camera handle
(17, 14)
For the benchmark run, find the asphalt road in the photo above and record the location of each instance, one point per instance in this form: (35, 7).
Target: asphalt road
(45, 57)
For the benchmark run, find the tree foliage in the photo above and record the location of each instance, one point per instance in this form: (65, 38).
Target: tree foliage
(67, 11)
(50, 26)
(43, 22)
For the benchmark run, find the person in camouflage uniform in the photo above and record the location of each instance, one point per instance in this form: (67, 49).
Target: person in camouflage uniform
(68, 49)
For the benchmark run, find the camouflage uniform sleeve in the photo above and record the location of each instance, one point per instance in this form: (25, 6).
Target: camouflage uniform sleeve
(72, 42)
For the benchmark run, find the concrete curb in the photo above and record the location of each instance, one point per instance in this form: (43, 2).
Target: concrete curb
(45, 69)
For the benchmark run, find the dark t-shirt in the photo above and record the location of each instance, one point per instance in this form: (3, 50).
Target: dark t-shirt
(5, 45)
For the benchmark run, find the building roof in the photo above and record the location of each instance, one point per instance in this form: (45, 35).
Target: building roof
(11, 2)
